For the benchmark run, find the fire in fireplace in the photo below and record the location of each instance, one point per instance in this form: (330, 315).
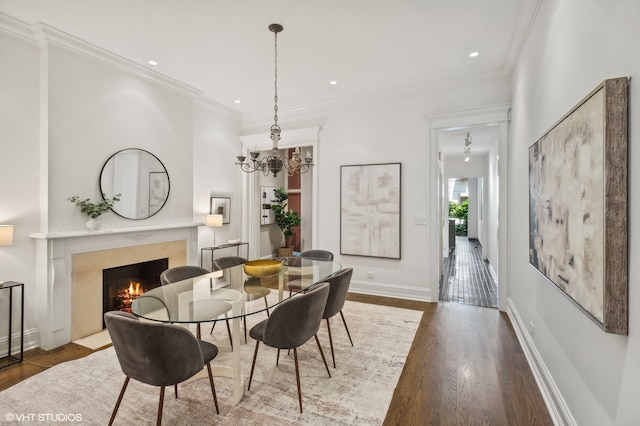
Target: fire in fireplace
(123, 284)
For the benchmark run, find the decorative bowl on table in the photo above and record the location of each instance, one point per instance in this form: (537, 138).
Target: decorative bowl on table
(262, 267)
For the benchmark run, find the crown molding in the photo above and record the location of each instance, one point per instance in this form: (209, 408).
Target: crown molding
(326, 106)
(17, 29)
(48, 35)
(43, 35)
(484, 114)
(525, 24)
(218, 107)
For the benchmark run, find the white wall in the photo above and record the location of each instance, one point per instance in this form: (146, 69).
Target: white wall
(473, 216)
(573, 46)
(389, 129)
(491, 196)
(95, 110)
(215, 147)
(19, 167)
(63, 113)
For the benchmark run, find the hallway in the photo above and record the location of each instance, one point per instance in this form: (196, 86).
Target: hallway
(467, 278)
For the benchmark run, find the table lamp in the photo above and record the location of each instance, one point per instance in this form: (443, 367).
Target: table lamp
(6, 235)
(214, 221)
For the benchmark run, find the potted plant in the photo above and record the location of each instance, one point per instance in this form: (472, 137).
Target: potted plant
(285, 219)
(94, 210)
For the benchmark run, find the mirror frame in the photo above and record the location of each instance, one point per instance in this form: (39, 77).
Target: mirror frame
(151, 171)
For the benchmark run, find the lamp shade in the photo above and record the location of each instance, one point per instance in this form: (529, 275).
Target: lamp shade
(214, 220)
(6, 235)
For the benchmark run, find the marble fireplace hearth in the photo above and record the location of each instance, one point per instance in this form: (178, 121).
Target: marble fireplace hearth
(70, 265)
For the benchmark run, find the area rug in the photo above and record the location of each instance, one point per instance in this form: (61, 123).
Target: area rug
(84, 391)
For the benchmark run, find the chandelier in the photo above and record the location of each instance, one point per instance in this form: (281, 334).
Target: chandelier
(467, 147)
(274, 163)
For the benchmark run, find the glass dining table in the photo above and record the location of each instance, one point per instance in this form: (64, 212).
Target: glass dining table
(231, 294)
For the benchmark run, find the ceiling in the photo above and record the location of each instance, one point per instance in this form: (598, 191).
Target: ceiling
(224, 48)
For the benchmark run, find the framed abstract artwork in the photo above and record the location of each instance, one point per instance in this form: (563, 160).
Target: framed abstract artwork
(578, 205)
(221, 205)
(370, 210)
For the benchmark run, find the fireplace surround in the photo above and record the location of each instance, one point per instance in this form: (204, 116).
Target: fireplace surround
(69, 272)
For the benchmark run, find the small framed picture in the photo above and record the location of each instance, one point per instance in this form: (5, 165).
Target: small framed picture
(221, 205)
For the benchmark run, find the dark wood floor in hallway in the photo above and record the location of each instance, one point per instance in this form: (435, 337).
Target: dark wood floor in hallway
(466, 367)
(467, 277)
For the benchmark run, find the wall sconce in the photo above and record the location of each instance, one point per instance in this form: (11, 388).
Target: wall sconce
(6, 235)
(214, 221)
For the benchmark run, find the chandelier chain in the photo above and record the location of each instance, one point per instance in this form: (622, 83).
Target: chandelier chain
(274, 163)
(275, 97)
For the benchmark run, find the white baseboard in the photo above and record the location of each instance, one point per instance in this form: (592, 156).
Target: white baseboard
(558, 409)
(391, 290)
(31, 341)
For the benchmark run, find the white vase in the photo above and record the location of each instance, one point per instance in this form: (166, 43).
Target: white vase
(93, 224)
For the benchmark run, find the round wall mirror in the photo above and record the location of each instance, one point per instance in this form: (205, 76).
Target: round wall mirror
(141, 180)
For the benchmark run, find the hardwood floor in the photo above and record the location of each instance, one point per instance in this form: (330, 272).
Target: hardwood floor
(465, 367)
(468, 278)
(37, 360)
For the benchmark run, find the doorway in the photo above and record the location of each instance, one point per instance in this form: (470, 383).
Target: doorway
(467, 275)
(454, 157)
(263, 236)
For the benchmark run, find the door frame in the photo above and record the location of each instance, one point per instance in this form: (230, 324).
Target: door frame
(250, 197)
(498, 114)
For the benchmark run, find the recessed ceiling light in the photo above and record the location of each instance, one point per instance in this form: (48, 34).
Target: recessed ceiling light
(237, 101)
(473, 54)
(333, 82)
(152, 62)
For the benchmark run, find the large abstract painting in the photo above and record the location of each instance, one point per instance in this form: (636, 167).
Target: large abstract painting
(578, 205)
(370, 210)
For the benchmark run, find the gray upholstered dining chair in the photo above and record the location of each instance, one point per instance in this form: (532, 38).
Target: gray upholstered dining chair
(339, 286)
(227, 262)
(295, 284)
(157, 354)
(179, 273)
(291, 324)
(317, 254)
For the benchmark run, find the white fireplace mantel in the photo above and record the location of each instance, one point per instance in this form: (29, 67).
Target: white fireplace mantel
(54, 263)
(99, 232)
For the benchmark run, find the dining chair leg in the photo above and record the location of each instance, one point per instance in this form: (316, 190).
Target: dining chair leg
(244, 320)
(266, 304)
(346, 328)
(322, 354)
(175, 387)
(213, 387)
(115, 409)
(331, 343)
(228, 331)
(198, 334)
(253, 365)
(295, 357)
(160, 404)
